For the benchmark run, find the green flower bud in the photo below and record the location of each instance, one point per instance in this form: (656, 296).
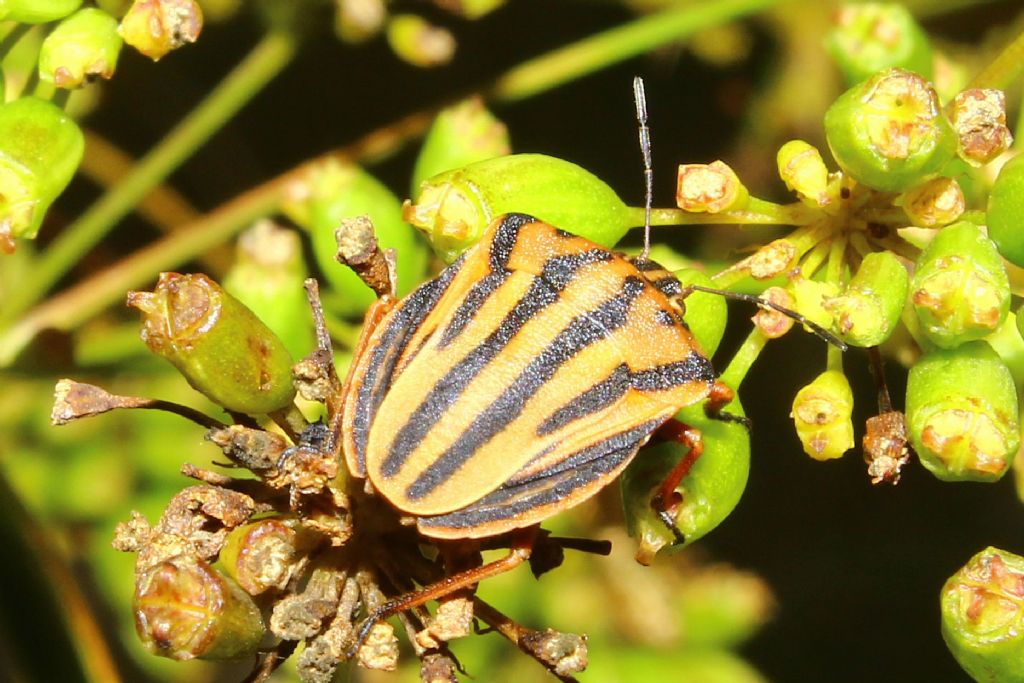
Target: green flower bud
(868, 310)
(934, 203)
(962, 413)
(186, 609)
(461, 134)
(356, 21)
(822, 413)
(710, 490)
(810, 297)
(454, 207)
(804, 172)
(267, 277)
(218, 344)
(709, 188)
(40, 149)
(36, 11)
(82, 47)
(983, 616)
(889, 132)
(155, 27)
(872, 36)
(261, 555)
(960, 290)
(332, 192)
(706, 313)
(1006, 211)
(979, 119)
(419, 42)
(471, 9)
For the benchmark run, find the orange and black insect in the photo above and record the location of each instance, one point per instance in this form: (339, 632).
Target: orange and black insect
(519, 382)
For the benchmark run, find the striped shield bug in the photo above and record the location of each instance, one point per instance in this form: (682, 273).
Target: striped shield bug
(516, 384)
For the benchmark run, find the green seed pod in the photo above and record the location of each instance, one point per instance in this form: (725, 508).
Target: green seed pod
(461, 134)
(706, 314)
(982, 609)
(261, 555)
(155, 27)
(36, 11)
(40, 149)
(710, 491)
(889, 132)
(872, 36)
(962, 413)
(419, 42)
(822, 413)
(804, 172)
(454, 207)
(869, 309)
(709, 188)
(1007, 342)
(83, 47)
(979, 119)
(332, 192)
(1006, 211)
(960, 290)
(185, 609)
(218, 344)
(267, 277)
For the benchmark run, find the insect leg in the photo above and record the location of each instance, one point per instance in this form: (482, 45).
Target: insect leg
(519, 551)
(667, 499)
(720, 396)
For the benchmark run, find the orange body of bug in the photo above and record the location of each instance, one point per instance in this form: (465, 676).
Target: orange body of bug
(517, 383)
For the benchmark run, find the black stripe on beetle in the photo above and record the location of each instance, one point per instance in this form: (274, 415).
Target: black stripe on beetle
(582, 331)
(548, 487)
(544, 291)
(378, 377)
(593, 400)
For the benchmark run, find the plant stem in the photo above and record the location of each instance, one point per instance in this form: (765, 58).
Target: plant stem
(264, 62)
(744, 358)
(834, 275)
(87, 298)
(757, 212)
(617, 44)
(1004, 69)
(12, 38)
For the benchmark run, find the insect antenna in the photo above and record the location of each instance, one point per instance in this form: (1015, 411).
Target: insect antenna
(814, 327)
(640, 98)
(645, 149)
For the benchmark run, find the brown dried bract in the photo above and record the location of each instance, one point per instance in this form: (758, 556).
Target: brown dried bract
(773, 323)
(358, 249)
(254, 449)
(73, 400)
(885, 447)
(196, 521)
(979, 119)
(564, 653)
